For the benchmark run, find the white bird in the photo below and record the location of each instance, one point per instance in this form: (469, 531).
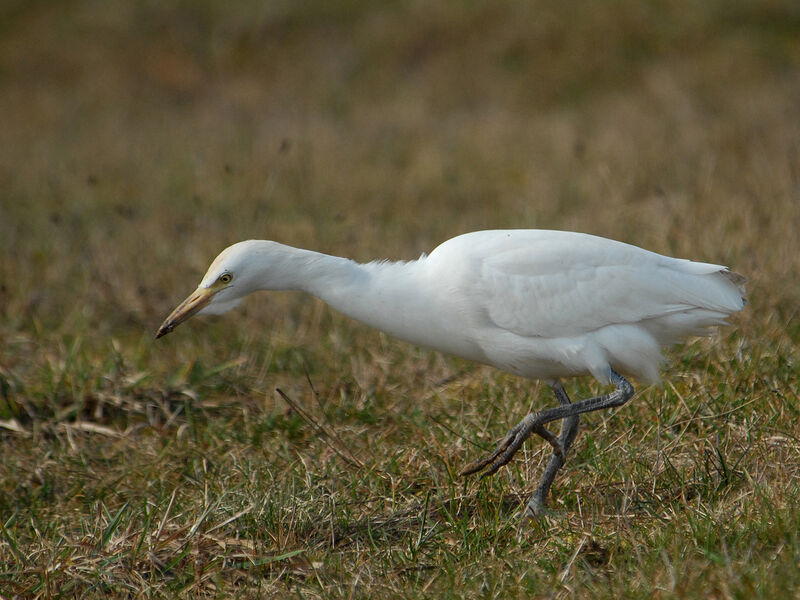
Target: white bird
(535, 303)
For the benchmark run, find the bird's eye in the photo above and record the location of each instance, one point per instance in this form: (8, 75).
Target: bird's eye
(225, 277)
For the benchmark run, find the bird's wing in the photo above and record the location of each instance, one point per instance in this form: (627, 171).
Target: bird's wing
(573, 285)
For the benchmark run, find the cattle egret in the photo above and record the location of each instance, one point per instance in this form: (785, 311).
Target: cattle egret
(538, 304)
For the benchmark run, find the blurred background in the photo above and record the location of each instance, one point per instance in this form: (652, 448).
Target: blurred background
(139, 138)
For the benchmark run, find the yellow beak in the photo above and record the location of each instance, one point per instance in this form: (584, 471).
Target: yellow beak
(196, 301)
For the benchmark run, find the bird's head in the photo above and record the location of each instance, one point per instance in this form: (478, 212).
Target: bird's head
(228, 280)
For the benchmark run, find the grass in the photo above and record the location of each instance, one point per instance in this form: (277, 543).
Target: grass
(138, 139)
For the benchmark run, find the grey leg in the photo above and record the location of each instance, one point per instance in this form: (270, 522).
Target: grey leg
(534, 421)
(569, 430)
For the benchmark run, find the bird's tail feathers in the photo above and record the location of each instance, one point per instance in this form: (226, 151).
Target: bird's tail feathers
(714, 287)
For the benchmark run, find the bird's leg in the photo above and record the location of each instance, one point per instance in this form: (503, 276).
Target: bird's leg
(521, 431)
(569, 430)
(559, 449)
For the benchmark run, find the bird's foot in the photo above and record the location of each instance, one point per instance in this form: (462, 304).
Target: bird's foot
(536, 508)
(513, 441)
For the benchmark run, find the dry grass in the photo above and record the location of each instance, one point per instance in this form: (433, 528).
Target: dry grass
(138, 139)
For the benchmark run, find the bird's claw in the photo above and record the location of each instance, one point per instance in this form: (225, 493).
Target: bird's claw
(480, 465)
(508, 447)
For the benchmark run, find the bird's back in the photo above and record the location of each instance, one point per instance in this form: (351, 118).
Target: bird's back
(553, 303)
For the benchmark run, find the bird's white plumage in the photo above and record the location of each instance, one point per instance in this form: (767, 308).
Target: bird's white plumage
(546, 304)
(541, 304)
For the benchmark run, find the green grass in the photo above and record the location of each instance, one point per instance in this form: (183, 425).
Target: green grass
(138, 139)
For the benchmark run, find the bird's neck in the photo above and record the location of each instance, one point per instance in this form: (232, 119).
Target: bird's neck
(391, 296)
(288, 268)
(403, 299)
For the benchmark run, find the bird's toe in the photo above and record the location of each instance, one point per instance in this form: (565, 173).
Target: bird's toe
(507, 448)
(535, 510)
(480, 465)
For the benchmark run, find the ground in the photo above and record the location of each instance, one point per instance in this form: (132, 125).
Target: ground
(283, 450)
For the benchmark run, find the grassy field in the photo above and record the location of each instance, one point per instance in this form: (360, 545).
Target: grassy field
(137, 139)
